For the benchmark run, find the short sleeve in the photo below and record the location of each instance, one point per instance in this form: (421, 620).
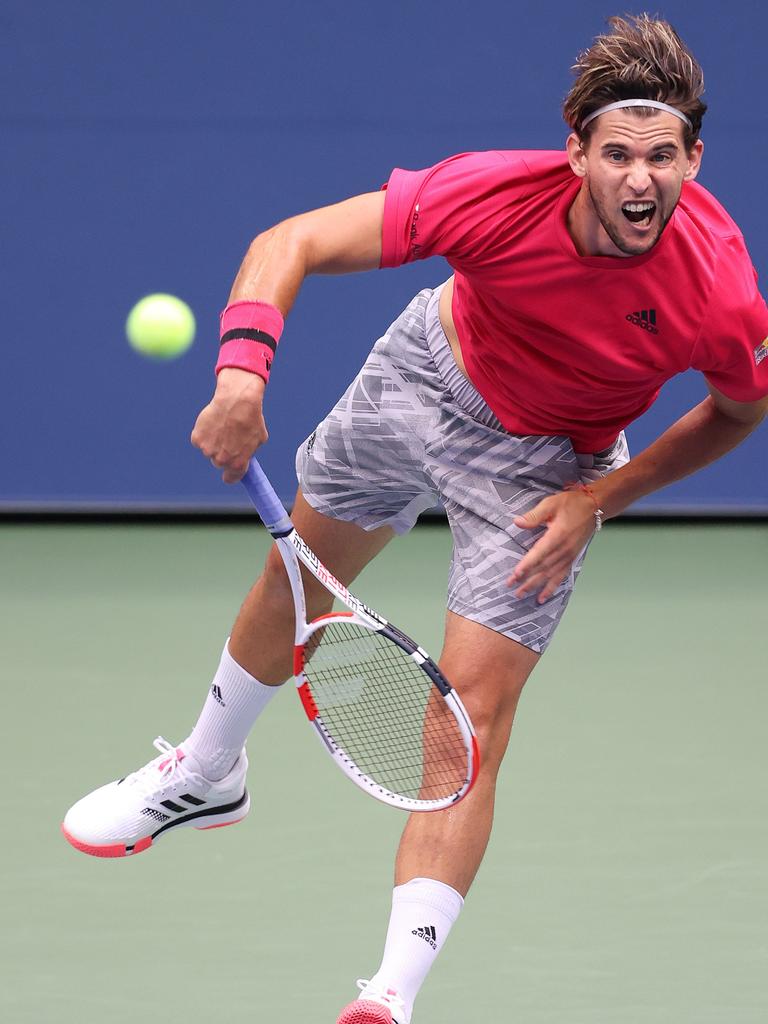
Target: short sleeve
(732, 350)
(450, 209)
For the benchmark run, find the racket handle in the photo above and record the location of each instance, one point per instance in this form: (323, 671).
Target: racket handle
(268, 505)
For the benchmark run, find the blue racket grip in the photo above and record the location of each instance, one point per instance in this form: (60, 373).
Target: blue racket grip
(268, 505)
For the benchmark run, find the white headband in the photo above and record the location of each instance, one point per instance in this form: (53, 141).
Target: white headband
(637, 103)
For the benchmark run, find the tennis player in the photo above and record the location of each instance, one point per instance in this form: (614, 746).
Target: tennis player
(582, 281)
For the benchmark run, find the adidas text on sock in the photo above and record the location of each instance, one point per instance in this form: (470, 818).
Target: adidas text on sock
(234, 702)
(423, 912)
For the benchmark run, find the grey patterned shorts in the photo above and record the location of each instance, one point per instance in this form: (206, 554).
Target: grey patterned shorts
(411, 433)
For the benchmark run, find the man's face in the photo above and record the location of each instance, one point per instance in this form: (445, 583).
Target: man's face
(633, 169)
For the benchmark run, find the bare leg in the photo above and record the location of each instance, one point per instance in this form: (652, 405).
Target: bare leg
(489, 671)
(262, 636)
(210, 766)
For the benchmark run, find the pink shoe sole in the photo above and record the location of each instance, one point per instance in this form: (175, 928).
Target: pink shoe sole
(121, 850)
(115, 850)
(363, 1011)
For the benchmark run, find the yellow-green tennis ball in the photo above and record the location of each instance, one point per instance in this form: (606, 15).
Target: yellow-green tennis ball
(160, 327)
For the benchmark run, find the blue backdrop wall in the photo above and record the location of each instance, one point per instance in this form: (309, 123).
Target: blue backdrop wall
(145, 144)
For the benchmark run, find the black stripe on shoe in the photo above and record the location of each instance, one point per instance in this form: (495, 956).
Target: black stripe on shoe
(208, 812)
(172, 806)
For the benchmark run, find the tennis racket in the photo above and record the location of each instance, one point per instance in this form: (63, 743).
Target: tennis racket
(383, 709)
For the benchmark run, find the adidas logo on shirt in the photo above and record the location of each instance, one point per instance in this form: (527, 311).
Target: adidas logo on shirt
(427, 933)
(645, 318)
(216, 694)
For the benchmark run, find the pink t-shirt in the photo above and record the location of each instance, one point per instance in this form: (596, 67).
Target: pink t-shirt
(558, 343)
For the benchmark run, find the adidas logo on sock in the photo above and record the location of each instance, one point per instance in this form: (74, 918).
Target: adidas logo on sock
(216, 694)
(427, 933)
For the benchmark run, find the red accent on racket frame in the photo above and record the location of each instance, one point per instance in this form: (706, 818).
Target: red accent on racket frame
(475, 763)
(304, 692)
(308, 701)
(298, 649)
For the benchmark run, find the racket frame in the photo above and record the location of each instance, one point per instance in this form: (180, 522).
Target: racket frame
(294, 551)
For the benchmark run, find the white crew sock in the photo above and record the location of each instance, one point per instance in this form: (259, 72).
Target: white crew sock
(234, 702)
(423, 911)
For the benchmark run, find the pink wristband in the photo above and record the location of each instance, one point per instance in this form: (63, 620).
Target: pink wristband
(250, 332)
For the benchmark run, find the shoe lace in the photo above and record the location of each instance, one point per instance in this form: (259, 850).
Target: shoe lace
(160, 770)
(386, 996)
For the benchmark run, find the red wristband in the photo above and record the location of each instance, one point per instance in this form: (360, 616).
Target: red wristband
(599, 514)
(588, 490)
(250, 332)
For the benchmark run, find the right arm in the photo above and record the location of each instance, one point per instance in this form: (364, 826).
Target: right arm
(336, 239)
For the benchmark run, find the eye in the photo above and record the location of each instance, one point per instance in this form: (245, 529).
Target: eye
(615, 156)
(662, 158)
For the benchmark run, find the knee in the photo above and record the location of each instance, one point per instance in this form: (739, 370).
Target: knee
(491, 703)
(491, 708)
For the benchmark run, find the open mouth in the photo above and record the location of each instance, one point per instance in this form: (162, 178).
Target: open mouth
(639, 213)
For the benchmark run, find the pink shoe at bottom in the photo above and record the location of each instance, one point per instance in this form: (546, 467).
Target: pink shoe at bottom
(374, 1006)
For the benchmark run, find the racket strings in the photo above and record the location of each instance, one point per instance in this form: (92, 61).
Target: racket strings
(382, 709)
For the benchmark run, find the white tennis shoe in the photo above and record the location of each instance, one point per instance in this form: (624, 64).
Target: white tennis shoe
(128, 816)
(374, 1005)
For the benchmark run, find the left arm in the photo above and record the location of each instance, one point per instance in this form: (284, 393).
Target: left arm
(707, 432)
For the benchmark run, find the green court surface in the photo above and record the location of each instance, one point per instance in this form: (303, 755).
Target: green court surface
(627, 878)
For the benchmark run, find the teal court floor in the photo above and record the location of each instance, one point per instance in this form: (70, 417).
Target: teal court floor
(627, 877)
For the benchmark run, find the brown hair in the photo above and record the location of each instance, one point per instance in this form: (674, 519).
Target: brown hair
(640, 58)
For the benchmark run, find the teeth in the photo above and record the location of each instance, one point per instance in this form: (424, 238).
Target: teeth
(638, 207)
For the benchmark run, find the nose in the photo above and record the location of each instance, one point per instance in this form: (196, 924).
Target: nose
(639, 178)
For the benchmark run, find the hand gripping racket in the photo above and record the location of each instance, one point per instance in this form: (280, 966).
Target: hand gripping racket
(383, 709)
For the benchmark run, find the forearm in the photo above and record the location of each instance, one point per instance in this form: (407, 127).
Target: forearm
(700, 437)
(273, 269)
(231, 427)
(333, 240)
